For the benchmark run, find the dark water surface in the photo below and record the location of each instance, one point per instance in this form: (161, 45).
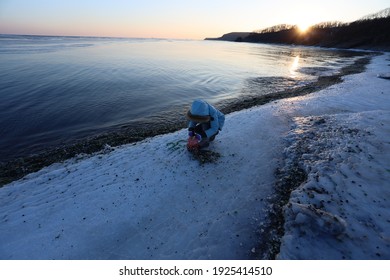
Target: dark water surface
(55, 91)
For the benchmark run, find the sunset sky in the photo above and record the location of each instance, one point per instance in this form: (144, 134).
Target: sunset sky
(191, 19)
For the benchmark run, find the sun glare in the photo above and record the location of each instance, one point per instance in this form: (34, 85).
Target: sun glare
(303, 27)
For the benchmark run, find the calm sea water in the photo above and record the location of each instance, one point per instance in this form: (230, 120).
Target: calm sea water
(56, 90)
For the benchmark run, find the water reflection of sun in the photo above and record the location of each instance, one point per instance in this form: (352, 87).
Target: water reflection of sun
(294, 66)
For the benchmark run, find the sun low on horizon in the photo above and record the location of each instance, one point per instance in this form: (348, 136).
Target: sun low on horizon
(171, 18)
(306, 15)
(303, 27)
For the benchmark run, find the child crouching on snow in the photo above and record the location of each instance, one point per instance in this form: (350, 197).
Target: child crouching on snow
(205, 122)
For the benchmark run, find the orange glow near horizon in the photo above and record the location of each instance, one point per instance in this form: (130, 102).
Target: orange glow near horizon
(304, 21)
(303, 27)
(171, 18)
(303, 18)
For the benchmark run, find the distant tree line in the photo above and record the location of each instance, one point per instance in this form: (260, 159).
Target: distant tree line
(275, 28)
(370, 32)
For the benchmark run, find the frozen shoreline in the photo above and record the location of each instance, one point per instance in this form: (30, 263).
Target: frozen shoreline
(149, 200)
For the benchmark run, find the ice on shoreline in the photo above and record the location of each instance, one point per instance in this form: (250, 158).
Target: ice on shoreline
(150, 200)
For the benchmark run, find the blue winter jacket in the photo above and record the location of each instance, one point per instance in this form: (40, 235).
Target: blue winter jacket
(202, 108)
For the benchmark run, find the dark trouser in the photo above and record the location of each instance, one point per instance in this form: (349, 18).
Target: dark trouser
(200, 129)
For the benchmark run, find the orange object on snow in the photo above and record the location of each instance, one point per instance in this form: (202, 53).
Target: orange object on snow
(193, 144)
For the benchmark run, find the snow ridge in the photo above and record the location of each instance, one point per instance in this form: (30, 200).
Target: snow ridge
(345, 166)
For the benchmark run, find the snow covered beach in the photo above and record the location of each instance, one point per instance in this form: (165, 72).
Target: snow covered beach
(150, 200)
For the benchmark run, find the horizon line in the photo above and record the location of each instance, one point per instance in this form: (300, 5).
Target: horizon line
(99, 36)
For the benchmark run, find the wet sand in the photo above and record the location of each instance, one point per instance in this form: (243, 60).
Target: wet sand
(18, 168)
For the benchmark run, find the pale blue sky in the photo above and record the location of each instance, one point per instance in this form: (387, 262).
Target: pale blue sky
(192, 19)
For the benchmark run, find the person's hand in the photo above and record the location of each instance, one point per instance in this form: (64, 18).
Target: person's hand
(196, 135)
